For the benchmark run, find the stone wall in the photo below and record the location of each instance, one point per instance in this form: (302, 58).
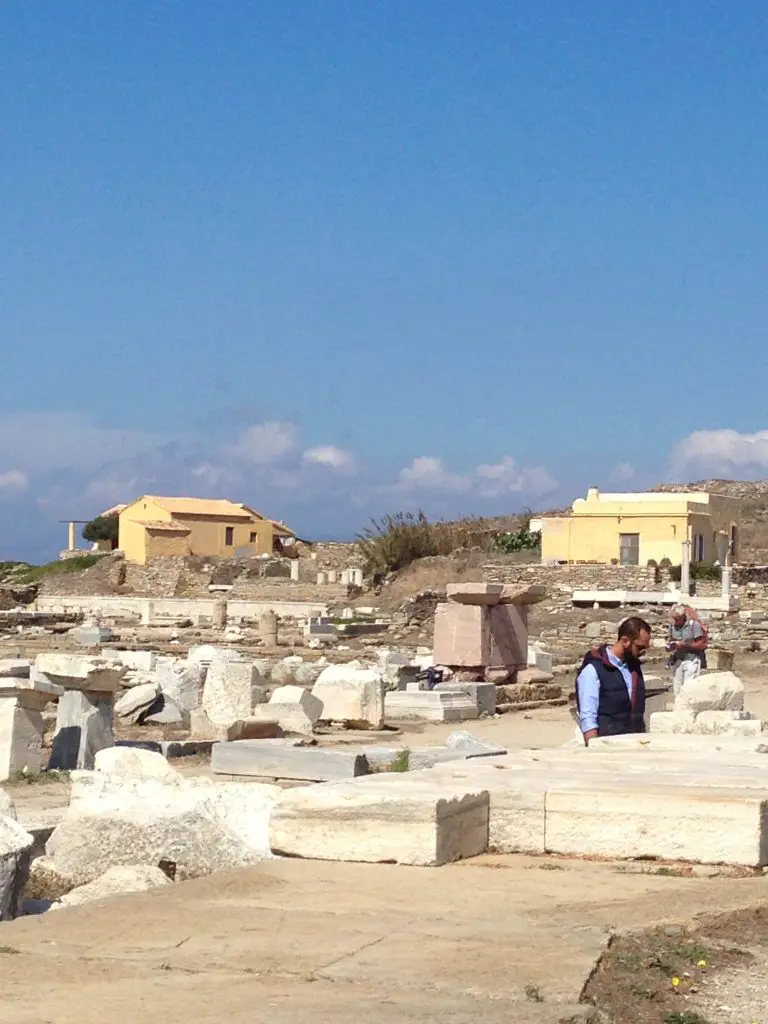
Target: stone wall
(335, 556)
(192, 577)
(574, 577)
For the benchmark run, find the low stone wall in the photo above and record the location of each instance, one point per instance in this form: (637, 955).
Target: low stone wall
(574, 577)
(155, 611)
(333, 556)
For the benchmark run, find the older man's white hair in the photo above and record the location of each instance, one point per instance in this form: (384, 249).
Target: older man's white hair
(678, 611)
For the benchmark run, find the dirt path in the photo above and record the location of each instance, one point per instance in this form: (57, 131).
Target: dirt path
(493, 939)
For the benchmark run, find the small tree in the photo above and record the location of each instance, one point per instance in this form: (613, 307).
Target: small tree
(102, 528)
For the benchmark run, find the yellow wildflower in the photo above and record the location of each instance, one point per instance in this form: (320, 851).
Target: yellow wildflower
(675, 982)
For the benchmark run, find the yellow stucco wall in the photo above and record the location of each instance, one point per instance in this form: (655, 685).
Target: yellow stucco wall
(165, 544)
(592, 533)
(209, 535)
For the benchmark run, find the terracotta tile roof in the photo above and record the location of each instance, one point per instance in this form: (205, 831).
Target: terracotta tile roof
(172, 527)
(199, 506)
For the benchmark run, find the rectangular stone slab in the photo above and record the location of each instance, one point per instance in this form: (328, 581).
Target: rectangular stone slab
(474, 593)
(408, 824)
(516, 819)
(430, 705)
(265, 760)
(705, 826)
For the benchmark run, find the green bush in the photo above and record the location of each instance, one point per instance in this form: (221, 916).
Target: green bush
(102, 528)
(396, 540)
(35, 573)
(520, 540)
(699, 571)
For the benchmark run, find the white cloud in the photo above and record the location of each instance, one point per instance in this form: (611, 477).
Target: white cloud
(43, 441)
(426, 473)
(13, 481)
(505, 477)
(330, 456)
(720, 452)
(622, 472)
(265, 443)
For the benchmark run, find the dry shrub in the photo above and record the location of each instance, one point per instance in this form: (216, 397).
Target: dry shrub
(396, 540)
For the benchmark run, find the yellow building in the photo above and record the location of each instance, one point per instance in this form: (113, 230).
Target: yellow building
(153, 527)
(633, 528)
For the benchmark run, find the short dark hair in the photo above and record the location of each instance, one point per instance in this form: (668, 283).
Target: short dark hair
(632, 627)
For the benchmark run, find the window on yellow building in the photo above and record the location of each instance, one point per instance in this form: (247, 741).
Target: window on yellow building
(698, 547)
(629, 548)
(253, 537)
(229, 536)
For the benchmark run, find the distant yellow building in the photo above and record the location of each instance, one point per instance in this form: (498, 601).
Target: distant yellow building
(633, 528)
(153, 527)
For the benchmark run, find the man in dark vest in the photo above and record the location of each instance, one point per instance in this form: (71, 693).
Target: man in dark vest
(610, 690)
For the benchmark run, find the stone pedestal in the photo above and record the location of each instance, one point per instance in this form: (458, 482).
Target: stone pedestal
(227, 691)
(21, 725)
(295, 570)
(220, 613)
(268, 629)
(483, 629)
(83, 727)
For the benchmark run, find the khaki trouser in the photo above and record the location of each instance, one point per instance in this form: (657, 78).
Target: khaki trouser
(685, 670)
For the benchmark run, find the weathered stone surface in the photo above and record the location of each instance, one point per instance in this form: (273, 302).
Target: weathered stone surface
(145, 764)
(15, 847)
(116, 881)
(517, 799)
(727, 723)
(7, 806)
(523, 593)
(182, 681)
(130, 704)
(290, 718)
(472, 636)
(430, 705)
(83, 727)
(471, 746)
(144, 661)
(164, 711)
(371, 821)
(253, 729)
(309, 704)
(474, 593)
(483, 694)
(352, 695)
(21, 739)
(671, 722)
(80, 671)
(700, 825)
(284, 671)
(711, 691)
(91, 635)
(533, 677)
(198, 824)
(207, 654)
(227, 691)
(265, 760)
(15, 668)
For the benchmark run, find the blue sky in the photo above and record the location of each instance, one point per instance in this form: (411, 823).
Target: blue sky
(336, 259)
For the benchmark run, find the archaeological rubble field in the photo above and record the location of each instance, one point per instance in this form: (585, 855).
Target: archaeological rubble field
(434, 733)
